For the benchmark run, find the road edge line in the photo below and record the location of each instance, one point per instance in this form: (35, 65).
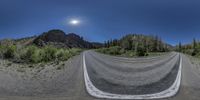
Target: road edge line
(93, 91)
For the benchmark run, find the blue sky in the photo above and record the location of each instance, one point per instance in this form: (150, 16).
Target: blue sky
(173, 20)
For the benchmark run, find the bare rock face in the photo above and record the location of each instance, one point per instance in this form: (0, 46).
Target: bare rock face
(50, 36)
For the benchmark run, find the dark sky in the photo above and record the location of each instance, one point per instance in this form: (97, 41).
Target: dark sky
(100, 20)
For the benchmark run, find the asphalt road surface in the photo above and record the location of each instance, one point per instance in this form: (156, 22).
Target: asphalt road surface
(130, 78)
(103, 69)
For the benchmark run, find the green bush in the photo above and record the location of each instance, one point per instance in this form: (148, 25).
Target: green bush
(103, 50)
(22, 54)
(48, 53)
(115, 50)
(60, 53)
(63, 54)
(34, 54)
(140, 52)
(2, 50)
(74, 51)
(36, 57)
(10, 52)
(195, 52)
(130, 53)
(30, 54)
(30, 51)
(67, 55)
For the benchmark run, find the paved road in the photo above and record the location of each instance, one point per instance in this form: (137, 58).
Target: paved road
(70, 85)
(127, 78)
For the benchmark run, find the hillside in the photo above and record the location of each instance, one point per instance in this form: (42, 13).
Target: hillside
(22, 41)
(135, 44)
(59, 39)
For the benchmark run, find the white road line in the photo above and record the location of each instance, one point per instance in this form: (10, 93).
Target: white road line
(93, 91)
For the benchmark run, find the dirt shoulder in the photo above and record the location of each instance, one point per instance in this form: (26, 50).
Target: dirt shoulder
(33, 79)
(196, 63)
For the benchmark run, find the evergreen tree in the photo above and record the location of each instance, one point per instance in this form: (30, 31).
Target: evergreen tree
(194, 43)
(195, 50)
(180, 47)
(155, 44)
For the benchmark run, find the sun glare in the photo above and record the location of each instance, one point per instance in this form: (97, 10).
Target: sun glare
(74, 22)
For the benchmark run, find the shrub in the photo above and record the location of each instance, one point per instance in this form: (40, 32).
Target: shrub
(2, 50)
(140, 51)
(63, 54)
(74, 51)
(48, 53)
(36, 57)
(59, 54)
(22, 54)
(122, 51)
(10, 51)
(114, 50)
(30, 51)
(30, 54)
(130, 53)
(34, 54)
(102, 50)
(195, 52)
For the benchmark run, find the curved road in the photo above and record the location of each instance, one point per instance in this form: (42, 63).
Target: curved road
(128, 78)
(70, 85)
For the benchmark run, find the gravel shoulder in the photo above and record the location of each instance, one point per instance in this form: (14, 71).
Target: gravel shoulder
(48, 80)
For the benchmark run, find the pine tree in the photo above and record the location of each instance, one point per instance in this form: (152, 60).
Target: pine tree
(194, 43)
(195, 50)
(108, 43)
(155, 44)
(180, 47)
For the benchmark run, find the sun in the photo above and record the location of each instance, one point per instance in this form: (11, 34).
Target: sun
(74, 22)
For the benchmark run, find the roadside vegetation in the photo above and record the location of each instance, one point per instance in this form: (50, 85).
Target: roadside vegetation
(192, 49)
(135, 45)
(34, 54)
(193, 52)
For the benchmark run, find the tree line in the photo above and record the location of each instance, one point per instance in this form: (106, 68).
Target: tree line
(139, 44)
(191, 49)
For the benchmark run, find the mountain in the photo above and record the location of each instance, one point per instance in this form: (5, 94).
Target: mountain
(54, 37)
(59, 39)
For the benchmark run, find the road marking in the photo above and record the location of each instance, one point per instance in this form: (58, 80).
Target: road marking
(93, 91)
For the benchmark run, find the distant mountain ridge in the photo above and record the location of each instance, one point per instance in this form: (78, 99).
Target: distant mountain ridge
(54, 37)
(60, 39)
